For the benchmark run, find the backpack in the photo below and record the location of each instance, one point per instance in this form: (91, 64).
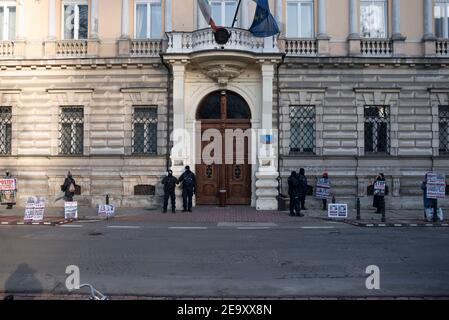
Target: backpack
(72, 188)
(188, 180)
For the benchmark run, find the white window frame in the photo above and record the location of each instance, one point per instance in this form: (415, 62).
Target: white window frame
(6, 5)
(149, 17)
(75, 3)
(203, 23)
(444, 4)
(298, 17)
(385, 5)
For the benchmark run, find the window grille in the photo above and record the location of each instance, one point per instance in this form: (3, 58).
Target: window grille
(144, 136)
(71, 130)
(443, 116)
(5, 130)
(377, 129)
(302, 133)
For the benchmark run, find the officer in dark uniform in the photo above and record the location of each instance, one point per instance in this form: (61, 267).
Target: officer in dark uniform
(293, 192)
(169, 183)
(188, 181)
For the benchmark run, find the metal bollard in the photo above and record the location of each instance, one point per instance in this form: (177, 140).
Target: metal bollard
(333, 199)
(358, 208)
(107, 199)
(383, 209)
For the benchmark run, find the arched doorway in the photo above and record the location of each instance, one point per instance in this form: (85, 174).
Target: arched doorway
(225, 112)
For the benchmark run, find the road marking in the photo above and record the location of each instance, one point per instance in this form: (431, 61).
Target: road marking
(189, 228)
(253, 228)
(71, 226)
(246, 224)
(5, 223)
(124, 227)
(317, 227)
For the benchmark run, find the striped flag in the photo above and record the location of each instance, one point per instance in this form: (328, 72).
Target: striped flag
(206, 11)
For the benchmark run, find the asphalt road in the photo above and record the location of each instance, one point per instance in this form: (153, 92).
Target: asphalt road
(226, 260)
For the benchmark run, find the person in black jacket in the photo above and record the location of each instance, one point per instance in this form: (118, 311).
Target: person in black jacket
(69, 187)
(378, 198)
(302, 188)
(169, 183)
(293, 192)
(188, 181)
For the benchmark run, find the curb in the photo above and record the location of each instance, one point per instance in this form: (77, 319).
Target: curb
(396, 225)
(41, 223)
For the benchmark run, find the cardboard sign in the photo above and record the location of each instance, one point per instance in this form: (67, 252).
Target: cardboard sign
(337, 210)
(379, 188)
(34, 209)
(71, 210)
(7, 184)
(105, 210)
(322, 188)
(436, 186)
(8, 197)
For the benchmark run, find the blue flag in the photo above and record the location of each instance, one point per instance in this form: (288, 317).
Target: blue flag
(264, 24)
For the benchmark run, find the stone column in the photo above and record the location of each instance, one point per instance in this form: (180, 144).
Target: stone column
(19, 42)
(168, 16)
(429, 37)
(354, 36)
(124, 43)
(50, 43)
(323, 38)
(398, 38)
(267, 173)
(94, 19)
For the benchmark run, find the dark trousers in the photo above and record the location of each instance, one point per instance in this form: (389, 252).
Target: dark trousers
(187, 195)
(302, 200)
(324, 204)
(172, 196)
(433, 203)
(294, 205)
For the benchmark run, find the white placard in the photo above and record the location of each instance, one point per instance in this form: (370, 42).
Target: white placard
(34, 209)
(71, 210)
(106, 210)
(337, 210)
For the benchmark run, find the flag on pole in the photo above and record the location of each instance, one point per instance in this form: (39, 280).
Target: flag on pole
(206, 11)
(264, 24)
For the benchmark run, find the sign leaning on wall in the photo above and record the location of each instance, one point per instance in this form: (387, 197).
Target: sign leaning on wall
(105, 210)
(34, 209)
(71, 210)
(337, 210)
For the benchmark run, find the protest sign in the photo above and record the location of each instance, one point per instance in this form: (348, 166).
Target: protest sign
(8, 191)
(436, 185)
(7, 184)
(105, 210)
(34, 209)
(71, 210)
(379, 188)
(322, 188)
(337, 210)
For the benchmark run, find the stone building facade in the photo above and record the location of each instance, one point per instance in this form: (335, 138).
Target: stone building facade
(112, 90)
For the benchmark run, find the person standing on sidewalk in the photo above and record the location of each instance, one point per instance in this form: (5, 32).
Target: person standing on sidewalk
(293, 192)
(69, 187)
(429, 202)
(379, 196)
(188, 181)
(302, 188)
(325, 178)
(12, 193)
(169, 183)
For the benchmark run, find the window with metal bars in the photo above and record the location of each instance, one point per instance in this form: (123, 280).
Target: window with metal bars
(377, 129)
(71, 130)
(302, 132)
(5, 130)
(144, 136)
(443, 115)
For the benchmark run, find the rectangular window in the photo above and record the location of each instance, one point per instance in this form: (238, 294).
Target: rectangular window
(442, 18)
(144, 137)
(7, 21)
(300, 19)
(223, 11)
(377, 129)
(5, 130)
(373, 18)
(443, 116)
(71, 130)
(75, 20)
(148, 19)
(302, 129)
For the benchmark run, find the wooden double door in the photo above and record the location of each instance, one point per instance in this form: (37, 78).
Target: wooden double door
(233, 173)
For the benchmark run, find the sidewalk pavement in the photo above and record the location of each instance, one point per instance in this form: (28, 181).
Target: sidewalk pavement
(213, 214)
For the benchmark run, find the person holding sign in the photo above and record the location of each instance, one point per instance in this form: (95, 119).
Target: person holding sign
(434, 187)
(379, 192)
(69, 187)
(322, 189)
(8, 189)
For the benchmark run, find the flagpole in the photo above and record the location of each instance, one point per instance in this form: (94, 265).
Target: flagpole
(235, 16)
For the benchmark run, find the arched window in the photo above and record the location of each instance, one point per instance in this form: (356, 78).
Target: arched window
(236, 107)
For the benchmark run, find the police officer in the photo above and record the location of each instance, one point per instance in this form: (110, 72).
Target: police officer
(69, 187)
(188, 181)
(169, 183)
